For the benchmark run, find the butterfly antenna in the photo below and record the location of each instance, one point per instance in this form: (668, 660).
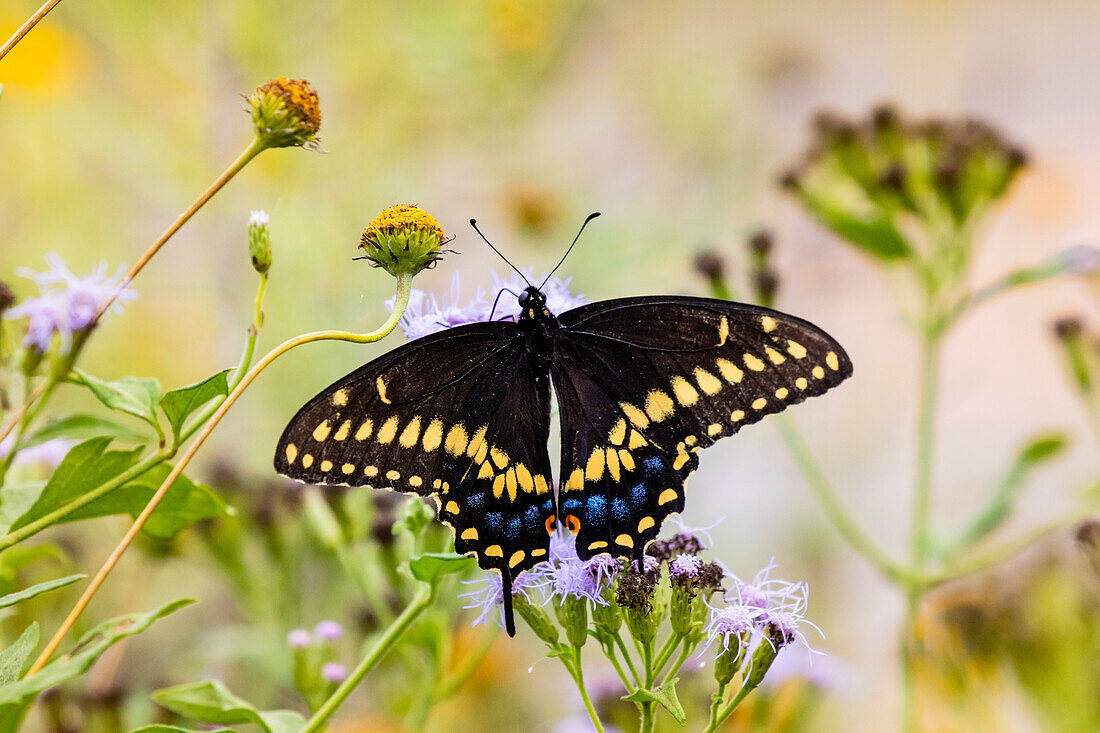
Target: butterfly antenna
(473, 223)
(591, 216)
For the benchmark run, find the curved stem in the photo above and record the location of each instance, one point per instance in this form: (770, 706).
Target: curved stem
(403, 282)
(827, 497)
(577, 673)
(26, 27)
(420, 602)
(717, 720)
(626, 658)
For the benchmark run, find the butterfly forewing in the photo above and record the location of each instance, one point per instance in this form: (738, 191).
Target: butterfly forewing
(645, 383)
(462, 416)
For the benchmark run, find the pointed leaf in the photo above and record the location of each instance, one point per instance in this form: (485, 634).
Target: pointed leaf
(15, 500)
(184, 504)
(15, 656)
(12, 598)
(137, 396)
(162, 728)
(665, 695)
(87, 465)
(82, 427)
(212, 702)
(178, 404)
(431, 566)
(16, 696)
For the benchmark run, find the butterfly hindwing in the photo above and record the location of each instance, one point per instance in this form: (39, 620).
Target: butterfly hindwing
(646, 383)
(462, 416)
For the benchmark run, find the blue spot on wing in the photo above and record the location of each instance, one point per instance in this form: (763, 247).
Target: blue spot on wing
(571, 506)
(532, 516)
(620, 510)
(637, 495)
(653, 465)
(595, 511)
(475, 501)
(515, 526)
(493, 522)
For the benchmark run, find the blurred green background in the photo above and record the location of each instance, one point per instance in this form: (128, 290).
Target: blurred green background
(672, 119)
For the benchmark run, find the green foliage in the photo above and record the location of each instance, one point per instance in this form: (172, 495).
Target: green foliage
(432, 566)
(665, 696)
(211, 702)
(27, 593)
(13, 658)
(82, 427)
(179, 404)
(137, 396)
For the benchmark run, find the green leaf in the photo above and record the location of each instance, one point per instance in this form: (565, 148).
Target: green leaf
(15, 697)
(212, 702)
(12, 598)
(15, 500)
(665, 695)
(1042, 449)
(431, 566)
(178, 404)
(15, 656)
(87, 465)
(160, 728)
(82, 427)
(137, 396)
(184, 504)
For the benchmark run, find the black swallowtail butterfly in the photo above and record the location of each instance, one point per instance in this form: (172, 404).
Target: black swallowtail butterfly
(642, 384)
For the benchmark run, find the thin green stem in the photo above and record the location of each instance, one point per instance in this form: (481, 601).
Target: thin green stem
(729, 708)
(685, 652)
(609, 652)
(830, 503)
(626, 657)
(421, 601)
(576, 671)
(920, 532)
(648, 721)
(909, 721)
(665, 654)
(716, 704)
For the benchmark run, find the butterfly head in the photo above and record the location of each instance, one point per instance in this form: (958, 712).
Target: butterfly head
(533, 302)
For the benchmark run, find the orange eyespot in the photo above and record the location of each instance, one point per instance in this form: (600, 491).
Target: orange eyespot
(551, 524)
(572, 523)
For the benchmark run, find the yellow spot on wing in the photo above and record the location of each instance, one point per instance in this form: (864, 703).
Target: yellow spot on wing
(658, 405)
(498, 486)
(597, 545)
(478, 448)
(753, 363)
(538, 552)
(494, 551)
(486, 471)
(636, 440)
(729, 371)
(371, 470)
(617, 434)
(713, 429)
(645, 523)
(626, 459)
(499, 457)
(775, 357)
(433, 436)
(348, 468)
(469, 534)
(801, 383)
(456, 440)
(388, 430)
(759, 403)
(576, 480)
(410, 434)
(832, 360)
(364, 430)
(594, 470)
(307, 460)
(707, 382)
(768, 323)
(320, 433)
(796, 349)
(541, 487)
(625, 540)
(680, 460)
(819, 373)
(393, 475)
(666, 496)
(637, 417)
(613, 464)
(416, 481)
(340, 397)
(291, 452)
(723, 331)
(685, 393)
(781, 393)
(342, 433)
(516, 558)
(524, 476)
(511, 484)
(452, 507)
(381, 385)
(737, 415)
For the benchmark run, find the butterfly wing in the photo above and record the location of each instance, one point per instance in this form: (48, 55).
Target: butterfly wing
(462, 416)
(644, 383)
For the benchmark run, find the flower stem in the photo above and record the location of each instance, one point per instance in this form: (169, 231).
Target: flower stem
(647, 721)
(400, 625)
(717, 720)
(716, 704)
(577, 673)
(922, 485)
(403, 282)
(830, 503)
(626, 658)
(26, 27)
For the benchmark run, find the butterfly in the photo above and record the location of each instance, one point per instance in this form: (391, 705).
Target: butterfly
(642, 385)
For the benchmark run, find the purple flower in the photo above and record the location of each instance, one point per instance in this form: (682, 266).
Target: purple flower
(736, 623)
(490, 596)
(558, 297)
(48, 454)
(298, 638)
(66, 303)
(782, 624)
(426, 314)
(259, 218)
(766, 592)
(684, 566)
(565, 574)
(328, 630)
(334, 672)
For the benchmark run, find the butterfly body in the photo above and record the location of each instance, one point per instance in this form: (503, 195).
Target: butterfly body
(642, 385)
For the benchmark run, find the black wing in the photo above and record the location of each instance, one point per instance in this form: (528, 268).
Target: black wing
(462, 416)
(644, 383)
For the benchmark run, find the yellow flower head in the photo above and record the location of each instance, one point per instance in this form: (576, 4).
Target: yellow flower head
(285, 113)
(403, 240)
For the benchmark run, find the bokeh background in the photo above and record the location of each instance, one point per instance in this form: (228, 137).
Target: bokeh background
(672, 119)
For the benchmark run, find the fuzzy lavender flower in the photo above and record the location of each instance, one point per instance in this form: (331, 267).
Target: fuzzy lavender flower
(766, 592)
(489, 598)
(334, 672)
(684, 568)
(298, 638)
(782, 624)
(736, 624)
(567, 576)
(66, 303)
(328, 630)
(426, 314)
(556, 290)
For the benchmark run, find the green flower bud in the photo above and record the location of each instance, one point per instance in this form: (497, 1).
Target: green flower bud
(259, 241)
(607, 618)
(573, 616)
(403, 240)
(762, 659)
(682, 606)
(728, 662)
(535, 617)
(285, 113)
